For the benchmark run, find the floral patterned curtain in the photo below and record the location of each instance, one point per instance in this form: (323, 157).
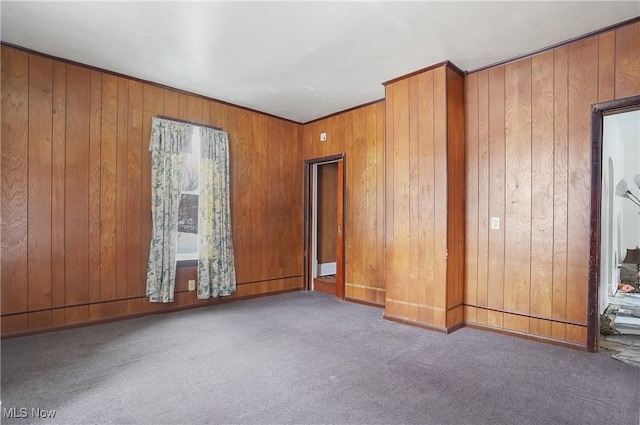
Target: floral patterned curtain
(169, 146)
(216, 268)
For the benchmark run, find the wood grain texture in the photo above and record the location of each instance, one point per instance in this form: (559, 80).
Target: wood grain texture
(135, 151)
(95, 186)
(455, 197)
(583, 86)
(627, 61)
(497, 164)
(473, 202)
(552, 108)
(77, 186)
(542, 161)
(14, 170)
(425, 216)
(76, 173)
(518, 186)
(108, 205)
(560, 187)
(327, 210)
(483, 185)
(121, 188)
(58, 154)
(360, 135)
(39, 177)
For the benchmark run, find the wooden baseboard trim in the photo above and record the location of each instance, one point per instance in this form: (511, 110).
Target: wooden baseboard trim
(213, 301)
(523, 335)
(363, 302)
(440, 329)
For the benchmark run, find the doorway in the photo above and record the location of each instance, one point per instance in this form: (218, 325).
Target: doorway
(324, 198)
(615, 221)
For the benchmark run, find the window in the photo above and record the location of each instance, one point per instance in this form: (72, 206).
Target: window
(188, 208)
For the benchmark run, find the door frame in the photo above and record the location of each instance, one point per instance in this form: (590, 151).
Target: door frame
(340, 240)
(598, 112)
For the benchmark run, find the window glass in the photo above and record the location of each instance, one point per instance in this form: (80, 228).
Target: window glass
(188, 209)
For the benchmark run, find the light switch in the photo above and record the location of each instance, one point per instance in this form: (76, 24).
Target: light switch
(323, 137)
(495, 223)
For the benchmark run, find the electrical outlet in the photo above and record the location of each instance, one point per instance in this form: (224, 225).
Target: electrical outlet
(192, 285)
(323, 137)
(495, 223)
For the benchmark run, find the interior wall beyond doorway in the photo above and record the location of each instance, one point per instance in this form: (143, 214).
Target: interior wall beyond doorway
(327, 209)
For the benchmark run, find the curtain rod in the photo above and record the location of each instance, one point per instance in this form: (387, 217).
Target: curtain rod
(188, 122)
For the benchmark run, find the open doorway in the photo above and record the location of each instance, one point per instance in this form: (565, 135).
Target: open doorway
(324, 225)
(614, 283)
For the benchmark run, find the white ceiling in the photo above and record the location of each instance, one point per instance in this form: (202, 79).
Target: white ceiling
(296, 60)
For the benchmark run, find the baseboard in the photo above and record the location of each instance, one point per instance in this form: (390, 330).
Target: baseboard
(441, 329)
(363, 302)
(523, 335)
(213, 301)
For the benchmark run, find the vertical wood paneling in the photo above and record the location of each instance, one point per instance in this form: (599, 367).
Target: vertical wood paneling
(289, 188)
(357, 198)
(360, 135)
(483, 189)
(441, 206)
(542, 164)
(518, 186)
(427, 201)
(134, 188)
(259, 196)
(121, 188)
(564, 83)
(380, 210)
(77, 187)
(391, 291)
(413, 278)
(39, 188)
(76, 174)
(401, 233)
(108, 162)
(57, 187)
(606, 66)
(425, 216)
(455, 197)
(244, 218)
(560, 188)
(583, 86)
(95, 186)
(472, 207)
(15, 160)
(627, 63)
(153, 104)
(497, 194)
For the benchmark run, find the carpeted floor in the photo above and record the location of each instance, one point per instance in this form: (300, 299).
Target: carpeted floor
(306, 358)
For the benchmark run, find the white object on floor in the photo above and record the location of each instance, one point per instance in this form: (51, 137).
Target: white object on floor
(629, 356)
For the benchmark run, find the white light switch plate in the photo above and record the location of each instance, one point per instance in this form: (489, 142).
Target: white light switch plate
(323, 137)
(495, 223)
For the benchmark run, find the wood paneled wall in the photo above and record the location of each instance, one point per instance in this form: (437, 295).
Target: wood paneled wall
(327, 212)
(76, 199)
(529, 147)
(424, 195)
(359, 134)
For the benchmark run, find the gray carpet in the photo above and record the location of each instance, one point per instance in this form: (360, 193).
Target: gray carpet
(306, 358)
